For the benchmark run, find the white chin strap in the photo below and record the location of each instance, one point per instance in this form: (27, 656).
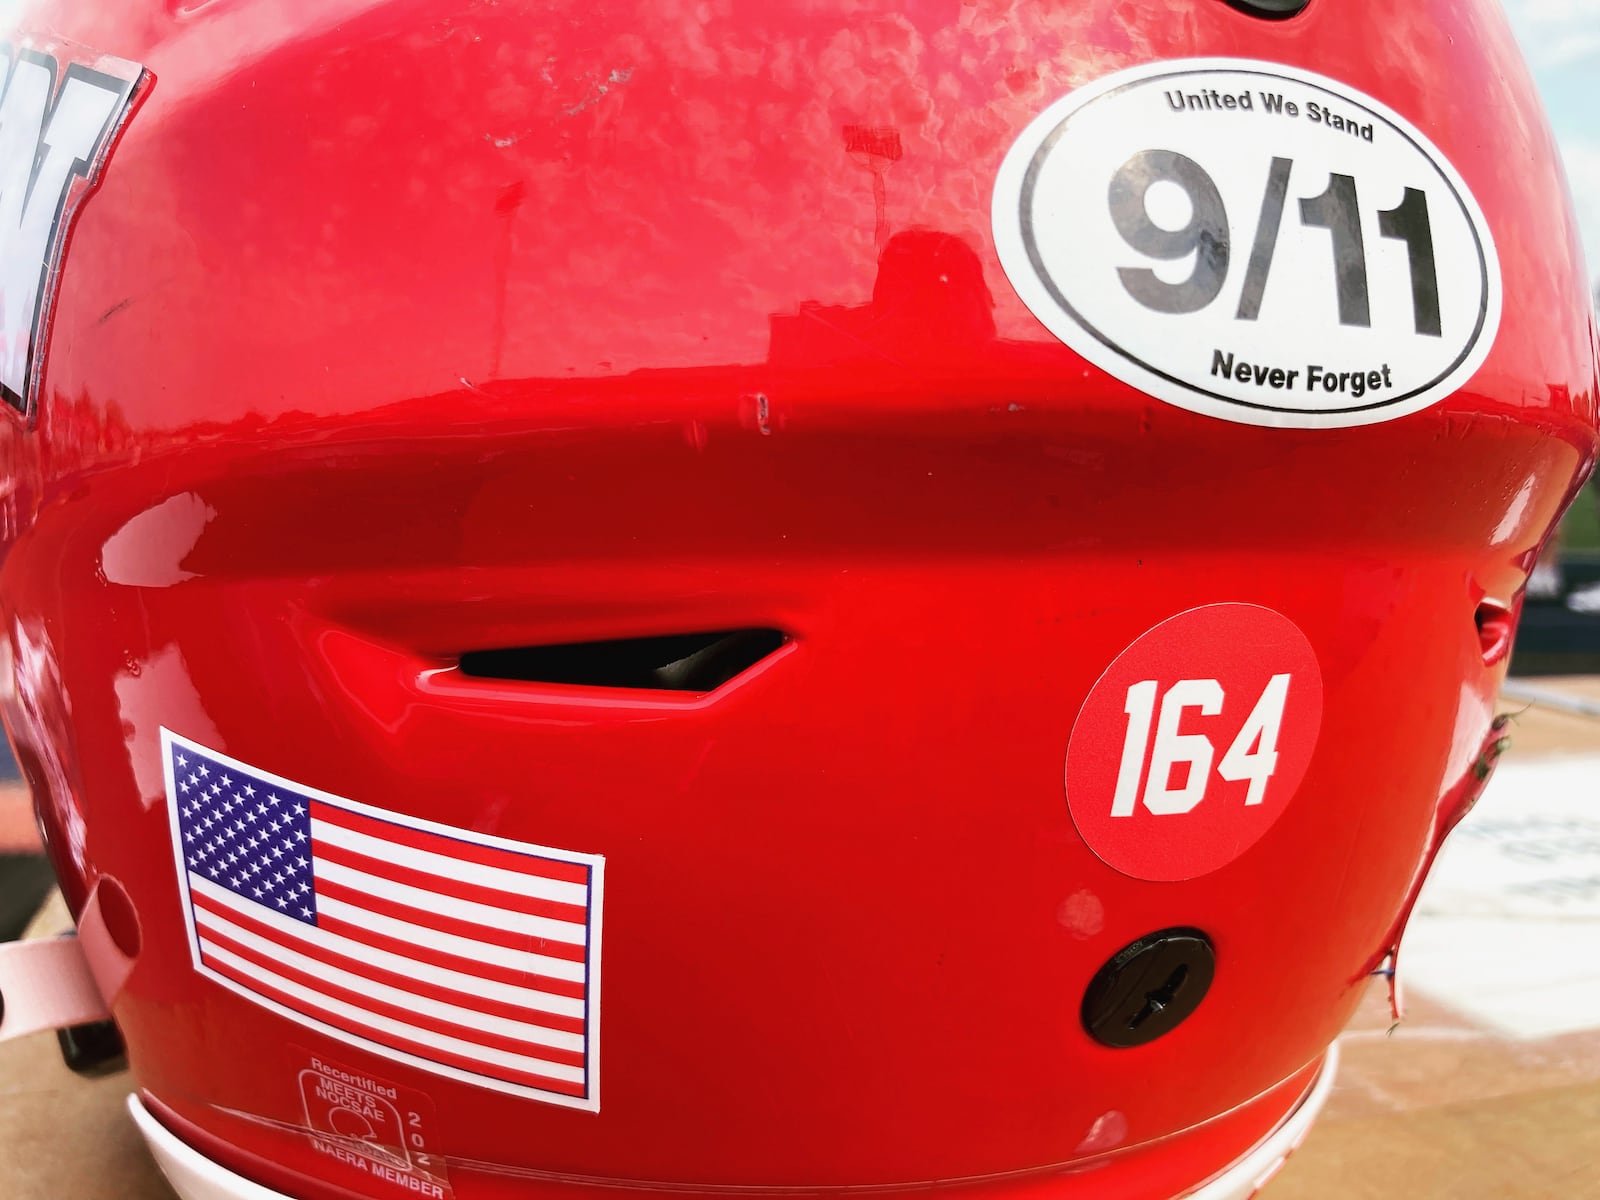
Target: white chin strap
(46, 984)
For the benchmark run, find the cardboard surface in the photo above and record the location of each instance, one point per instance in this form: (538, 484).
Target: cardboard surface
(63, 1136)
(66, 1138)
(1490, 1087)
(1446, 1108)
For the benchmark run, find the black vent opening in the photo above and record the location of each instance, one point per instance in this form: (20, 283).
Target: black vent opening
(685, 662)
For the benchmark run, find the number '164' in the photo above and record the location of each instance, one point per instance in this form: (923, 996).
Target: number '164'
(1252, 756)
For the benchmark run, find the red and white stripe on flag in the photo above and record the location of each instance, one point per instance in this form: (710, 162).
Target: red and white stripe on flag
(471, 956)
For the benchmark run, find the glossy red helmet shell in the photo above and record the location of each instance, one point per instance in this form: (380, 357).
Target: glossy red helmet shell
(398, 345)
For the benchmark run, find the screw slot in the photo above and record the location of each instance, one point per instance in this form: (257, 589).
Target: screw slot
(1159, 999)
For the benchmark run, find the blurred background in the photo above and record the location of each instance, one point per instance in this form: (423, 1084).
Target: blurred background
(1561, 40)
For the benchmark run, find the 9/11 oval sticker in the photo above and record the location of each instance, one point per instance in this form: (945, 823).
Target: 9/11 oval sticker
(1250, 241)
(1192, 743)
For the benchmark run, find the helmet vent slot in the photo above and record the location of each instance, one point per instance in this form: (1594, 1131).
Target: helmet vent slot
(1496, 628)
(685, 662)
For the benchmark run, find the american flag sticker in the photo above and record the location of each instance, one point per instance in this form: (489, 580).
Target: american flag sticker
(470, 956)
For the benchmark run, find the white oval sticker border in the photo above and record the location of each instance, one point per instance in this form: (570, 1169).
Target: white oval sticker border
(1187, 351)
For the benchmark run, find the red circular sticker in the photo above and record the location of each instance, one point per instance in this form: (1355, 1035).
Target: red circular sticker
(1194, 741)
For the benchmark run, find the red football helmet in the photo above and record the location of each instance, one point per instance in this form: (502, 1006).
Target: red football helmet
(960, 555)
